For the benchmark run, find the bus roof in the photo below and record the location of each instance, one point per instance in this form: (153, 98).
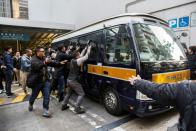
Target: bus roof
(100, 24)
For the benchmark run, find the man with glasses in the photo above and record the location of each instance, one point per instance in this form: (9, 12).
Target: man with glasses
(38, 79)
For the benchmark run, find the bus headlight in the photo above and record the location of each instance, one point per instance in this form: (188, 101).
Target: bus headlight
(141, 96)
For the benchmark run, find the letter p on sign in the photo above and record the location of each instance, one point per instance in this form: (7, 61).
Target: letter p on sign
(173, 23)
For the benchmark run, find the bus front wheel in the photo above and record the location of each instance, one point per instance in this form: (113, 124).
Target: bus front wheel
(112, 102)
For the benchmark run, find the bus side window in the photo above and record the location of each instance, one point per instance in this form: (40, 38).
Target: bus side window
(95, 37)
(118, 45)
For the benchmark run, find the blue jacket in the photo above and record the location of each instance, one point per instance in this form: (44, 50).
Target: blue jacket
(8, 61)
(25, 63)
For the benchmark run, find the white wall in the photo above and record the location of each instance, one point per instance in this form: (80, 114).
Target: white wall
(78, 12)
(84, 12)
(148, 6)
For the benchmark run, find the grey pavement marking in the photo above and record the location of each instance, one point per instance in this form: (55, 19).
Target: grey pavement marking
(115, 124)
(85, 116)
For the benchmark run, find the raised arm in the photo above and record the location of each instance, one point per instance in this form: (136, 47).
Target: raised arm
(83, 52)
(84, 58)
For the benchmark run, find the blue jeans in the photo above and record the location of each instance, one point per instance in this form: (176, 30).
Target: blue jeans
(45, 89)
(8, 81)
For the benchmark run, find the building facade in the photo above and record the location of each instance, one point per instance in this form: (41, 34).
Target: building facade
(14, 9)
(5, 8)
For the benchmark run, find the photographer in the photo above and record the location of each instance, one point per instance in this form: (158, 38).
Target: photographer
(181, 95)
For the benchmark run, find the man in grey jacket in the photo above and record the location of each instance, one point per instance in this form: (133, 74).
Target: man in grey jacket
(72, 81)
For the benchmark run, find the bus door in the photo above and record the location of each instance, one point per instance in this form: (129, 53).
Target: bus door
(92, 67)
(119, 63)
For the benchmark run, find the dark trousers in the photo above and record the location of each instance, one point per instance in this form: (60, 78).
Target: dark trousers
(45, 89)
(59, 83)
(8, 81)
(77, 87)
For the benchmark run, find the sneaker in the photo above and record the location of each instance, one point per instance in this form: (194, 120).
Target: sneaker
(79, 110)
(64, 107)
(46, 113)
(30, 107)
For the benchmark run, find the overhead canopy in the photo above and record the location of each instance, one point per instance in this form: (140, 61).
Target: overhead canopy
(26, 33)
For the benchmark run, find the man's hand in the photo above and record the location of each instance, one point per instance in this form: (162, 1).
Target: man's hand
(133, 79)
(89, 48)
(15, 69)
(47, 60)
(63, 62)
(77, 48)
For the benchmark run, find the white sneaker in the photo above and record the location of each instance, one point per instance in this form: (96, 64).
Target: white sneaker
(46, 113)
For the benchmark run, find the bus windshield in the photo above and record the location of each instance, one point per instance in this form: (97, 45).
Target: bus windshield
(157, 43)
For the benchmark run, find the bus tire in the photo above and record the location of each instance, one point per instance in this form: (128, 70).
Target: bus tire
(112, 102)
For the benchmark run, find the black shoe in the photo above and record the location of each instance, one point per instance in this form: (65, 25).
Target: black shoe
(64, 107)
(12, 94)
(9, 96)
(79, 110)
(30, 107)
(61, 98)
(25, 91)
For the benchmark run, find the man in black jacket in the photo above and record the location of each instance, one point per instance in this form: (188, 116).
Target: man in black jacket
(38, 79)
(181, 95)
(61, 72)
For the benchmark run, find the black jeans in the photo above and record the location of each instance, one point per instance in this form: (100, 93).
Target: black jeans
(8, 81)
(45, 89)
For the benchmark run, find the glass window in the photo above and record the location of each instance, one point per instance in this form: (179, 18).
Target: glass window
(118, 45)
(193, 19)
(96, 38)
(157, 43)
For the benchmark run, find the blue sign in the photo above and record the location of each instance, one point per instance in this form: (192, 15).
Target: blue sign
(173, 23)
(184, 21)
(14, 36)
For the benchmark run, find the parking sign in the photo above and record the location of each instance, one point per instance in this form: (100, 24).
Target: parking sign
(173, 23)
(184, 21)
